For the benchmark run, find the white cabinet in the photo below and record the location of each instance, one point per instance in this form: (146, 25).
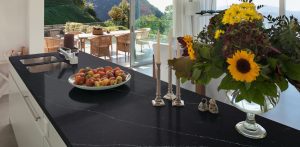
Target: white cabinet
(23, 119)
(30, 125)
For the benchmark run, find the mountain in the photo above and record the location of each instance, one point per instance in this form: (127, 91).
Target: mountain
(62, 11)
(102, 7)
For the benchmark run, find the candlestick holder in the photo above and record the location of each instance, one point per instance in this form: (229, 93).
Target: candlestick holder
(177, 102)
(170, 95)
(158, 101)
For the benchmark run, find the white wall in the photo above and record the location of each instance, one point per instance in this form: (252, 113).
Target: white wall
(13, 24)
(22, 24)
(35, 26)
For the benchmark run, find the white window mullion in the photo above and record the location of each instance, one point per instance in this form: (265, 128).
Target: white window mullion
(282, 7)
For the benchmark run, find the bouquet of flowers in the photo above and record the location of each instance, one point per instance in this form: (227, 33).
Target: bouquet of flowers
(252, 59)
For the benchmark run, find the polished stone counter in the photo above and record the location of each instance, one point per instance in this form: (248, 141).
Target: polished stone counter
(124, 116)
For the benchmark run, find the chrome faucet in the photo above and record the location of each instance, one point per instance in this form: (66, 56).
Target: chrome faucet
(69, 56)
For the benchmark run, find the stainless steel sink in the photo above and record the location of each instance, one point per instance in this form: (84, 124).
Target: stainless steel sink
(47, 67)
(46, 59)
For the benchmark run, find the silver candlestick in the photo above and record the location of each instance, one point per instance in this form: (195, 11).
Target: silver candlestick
(177, 102)
(158, 101)
(170, 95)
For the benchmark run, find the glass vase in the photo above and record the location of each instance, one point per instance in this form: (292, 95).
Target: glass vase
(249, 128)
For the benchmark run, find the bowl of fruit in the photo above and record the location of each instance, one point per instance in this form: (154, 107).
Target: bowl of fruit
(101, 78)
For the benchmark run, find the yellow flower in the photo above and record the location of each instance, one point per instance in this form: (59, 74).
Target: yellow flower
(241, 12)
(242, 67)
(218, 34)
(189, 44)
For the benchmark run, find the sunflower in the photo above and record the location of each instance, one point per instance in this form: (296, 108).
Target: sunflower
(218, 34)
(242, 67)
(189, 44)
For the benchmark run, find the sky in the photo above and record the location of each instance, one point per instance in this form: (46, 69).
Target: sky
(292, 5)
(161, 4)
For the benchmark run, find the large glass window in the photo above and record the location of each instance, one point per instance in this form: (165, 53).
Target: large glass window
(224, 4)
(270, 6)
(292, 8)
(151, 16)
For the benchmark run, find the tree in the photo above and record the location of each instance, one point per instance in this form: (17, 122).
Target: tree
(149, 21)
(166, 19)
(80, 3)
(89, 8)
(120, 14)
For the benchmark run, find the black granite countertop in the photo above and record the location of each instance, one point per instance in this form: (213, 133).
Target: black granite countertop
(124, 116)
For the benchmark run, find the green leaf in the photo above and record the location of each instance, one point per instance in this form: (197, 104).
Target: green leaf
(292, 70)
(266, 88)
(228, 83)
(205, 52)
(204, 79)
(183, 80)
(258, 98)
(196, 74)
(245, 95)
(272, 62)
(248, 86)
(282, 83)
(182, 66)
(251, 95)
(213, 71)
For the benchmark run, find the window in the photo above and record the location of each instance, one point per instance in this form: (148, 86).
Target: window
(271, 7)
(292, 8)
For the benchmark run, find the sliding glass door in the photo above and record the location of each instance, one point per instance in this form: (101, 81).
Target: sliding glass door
(149, 17)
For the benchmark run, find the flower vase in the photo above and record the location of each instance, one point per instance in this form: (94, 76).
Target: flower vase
(249, 128)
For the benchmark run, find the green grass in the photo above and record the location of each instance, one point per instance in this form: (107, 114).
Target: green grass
(62, 11)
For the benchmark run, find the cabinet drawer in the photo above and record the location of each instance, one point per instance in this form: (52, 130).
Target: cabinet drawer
(34, 107)
(53, 137)
(26, 130)
(19, 82)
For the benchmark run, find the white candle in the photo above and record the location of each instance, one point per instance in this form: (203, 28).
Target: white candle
(170, 44)
(178, 51)
(158, 49)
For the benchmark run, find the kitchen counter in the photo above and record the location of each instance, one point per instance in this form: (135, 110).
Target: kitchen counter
(124, 116)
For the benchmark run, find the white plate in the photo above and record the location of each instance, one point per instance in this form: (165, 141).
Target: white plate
(72, 82)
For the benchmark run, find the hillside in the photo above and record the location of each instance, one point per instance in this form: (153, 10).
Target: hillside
(102, 8)
(62, 11)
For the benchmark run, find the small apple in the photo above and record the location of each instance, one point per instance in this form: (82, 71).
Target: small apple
(123, 77)
(100, 69)
(119, 79)
(118, 73)
(82, 70)
(101, 73)
(80, 74)
(108, 68)
(79, 80)
(97, 84)
(116, 68)
(96, 76)
(90, 72)
(106, 82)
(101, 83)
(113, 82)
(109, 74)
(90, 82)
(94, 71)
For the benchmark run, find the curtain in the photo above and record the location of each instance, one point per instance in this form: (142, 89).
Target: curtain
(185, 24)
